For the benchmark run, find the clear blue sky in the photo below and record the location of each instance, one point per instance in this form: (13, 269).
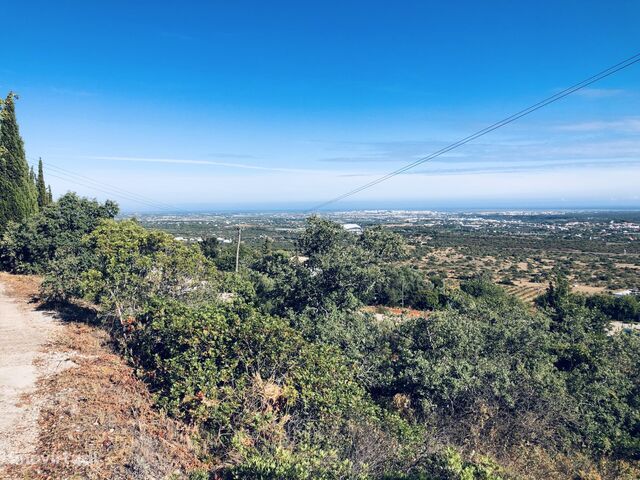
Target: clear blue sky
(259, 104)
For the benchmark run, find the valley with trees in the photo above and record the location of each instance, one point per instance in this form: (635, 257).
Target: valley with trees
(399, 353)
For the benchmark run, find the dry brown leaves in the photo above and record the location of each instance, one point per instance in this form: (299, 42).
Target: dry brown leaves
(23, 287)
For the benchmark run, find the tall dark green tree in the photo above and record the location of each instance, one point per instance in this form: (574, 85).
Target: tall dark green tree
(43, 197)
(18, 198)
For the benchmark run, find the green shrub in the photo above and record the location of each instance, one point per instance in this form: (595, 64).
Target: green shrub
(31, 246)
(258, 391)
(133, 265)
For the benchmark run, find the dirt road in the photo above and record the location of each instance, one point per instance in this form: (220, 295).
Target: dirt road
(23, 335)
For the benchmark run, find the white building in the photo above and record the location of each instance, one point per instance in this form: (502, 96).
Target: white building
(353, 228)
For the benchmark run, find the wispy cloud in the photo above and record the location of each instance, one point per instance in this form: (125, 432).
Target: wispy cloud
(388, 158)
(355, 159)
(625, 125)
(600, 92)
(385, 152)
(555, 151)
(435, 169)
(544, 146)
(526, 167)
(186, 161)
(231, 155)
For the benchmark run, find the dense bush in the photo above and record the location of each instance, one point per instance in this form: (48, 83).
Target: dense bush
(268, 403)
(623, 309)
(244, 377)
(54, 232)
(270, 400)
(402, 286)
(336, 269)
(479, 375)
(133, 265)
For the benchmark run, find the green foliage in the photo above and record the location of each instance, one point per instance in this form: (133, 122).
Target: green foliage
(132, 265)
(283, 464)
(605, 384)
(282, 282)
(623, 309)
(277, 403)
(63, 280)
(450, 465)
(403, 286)
(322, 237)
(17, 191)
(382, 244)
(41, 188)
(210, 247)
(475, 372)
(487, 366)
(56, 231)
(556, 295)
(334, 269)
(482, 287)
(222, 350)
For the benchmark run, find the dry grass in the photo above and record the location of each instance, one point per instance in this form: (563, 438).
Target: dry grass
(534, 462)
(22, 287)
(395, 313)
(97, 419)
(587, 289)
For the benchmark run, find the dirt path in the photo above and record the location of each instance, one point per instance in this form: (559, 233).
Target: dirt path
(23, 361)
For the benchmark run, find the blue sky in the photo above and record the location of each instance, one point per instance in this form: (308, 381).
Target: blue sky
(216, 105)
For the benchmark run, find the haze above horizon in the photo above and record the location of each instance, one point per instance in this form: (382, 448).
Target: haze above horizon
(212, 104)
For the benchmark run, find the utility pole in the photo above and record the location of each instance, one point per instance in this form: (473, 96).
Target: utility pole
(238, 249)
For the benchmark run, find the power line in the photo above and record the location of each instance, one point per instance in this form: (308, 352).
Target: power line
(126, 197)
(109, 186)
(110, 189)
(543, 103)
(71, 180)
(106, 188)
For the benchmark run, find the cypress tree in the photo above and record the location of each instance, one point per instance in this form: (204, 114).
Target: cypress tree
(18, 197)
(43, 198)
(33, 184)
(49, 195)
